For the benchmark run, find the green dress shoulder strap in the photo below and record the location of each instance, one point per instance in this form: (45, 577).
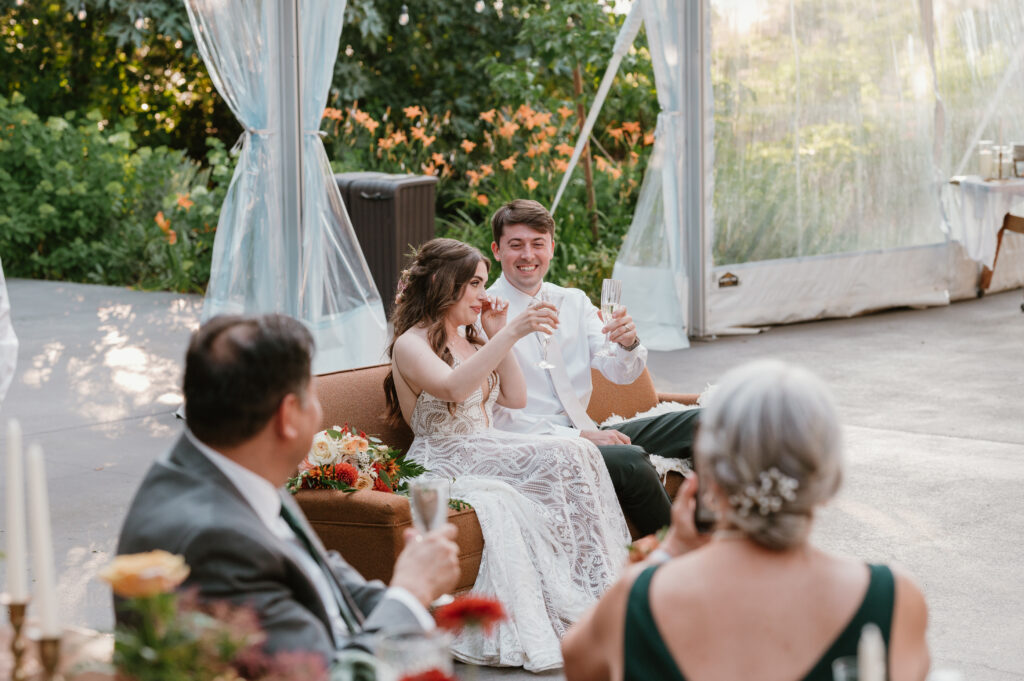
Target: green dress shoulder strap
(647, 656)
(876, 607)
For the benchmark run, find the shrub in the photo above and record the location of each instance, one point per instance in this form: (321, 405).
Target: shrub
(83, 203)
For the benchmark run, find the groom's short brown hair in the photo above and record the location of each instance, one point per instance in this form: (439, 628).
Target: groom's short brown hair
(522, 212)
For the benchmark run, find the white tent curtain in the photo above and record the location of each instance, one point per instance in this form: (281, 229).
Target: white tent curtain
(8, 341)
(314, 271)
(652, 262)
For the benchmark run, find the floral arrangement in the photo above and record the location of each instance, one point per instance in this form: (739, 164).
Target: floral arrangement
(172, 636)
(644, 546)
(347, 460)
(469, 611)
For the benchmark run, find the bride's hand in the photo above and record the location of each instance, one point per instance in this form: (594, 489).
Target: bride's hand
(493, 315)
(541, 317)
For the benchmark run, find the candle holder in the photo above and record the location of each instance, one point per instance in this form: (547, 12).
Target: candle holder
(49, 657)
(16, 613)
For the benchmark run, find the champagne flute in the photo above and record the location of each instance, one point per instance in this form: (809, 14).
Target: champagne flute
(428, 501)
(545, 338)
(611, 294)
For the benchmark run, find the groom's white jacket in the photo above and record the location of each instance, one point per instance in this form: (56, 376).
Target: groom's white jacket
(579, 337)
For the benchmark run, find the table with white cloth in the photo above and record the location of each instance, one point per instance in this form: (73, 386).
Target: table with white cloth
(980, 216)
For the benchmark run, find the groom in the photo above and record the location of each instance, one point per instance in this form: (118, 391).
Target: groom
(216, 498)
(557, 399)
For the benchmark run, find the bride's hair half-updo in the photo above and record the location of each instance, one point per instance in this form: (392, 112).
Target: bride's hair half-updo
(770, 439)
(433, 282)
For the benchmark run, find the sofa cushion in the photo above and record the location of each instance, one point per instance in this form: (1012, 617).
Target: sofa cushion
(356, 397)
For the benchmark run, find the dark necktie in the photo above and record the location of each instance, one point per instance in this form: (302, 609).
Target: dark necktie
(347, 608)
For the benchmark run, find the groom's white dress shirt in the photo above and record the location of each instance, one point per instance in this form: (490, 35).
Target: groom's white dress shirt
(579, 338)
(263, 497)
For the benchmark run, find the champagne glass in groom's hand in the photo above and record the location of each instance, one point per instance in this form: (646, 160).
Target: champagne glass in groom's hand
(611, 295)
(428, 501)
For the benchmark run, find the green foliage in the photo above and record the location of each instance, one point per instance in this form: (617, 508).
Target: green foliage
(83, 203)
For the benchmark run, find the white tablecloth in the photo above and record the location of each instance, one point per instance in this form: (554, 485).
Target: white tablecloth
(978, 210)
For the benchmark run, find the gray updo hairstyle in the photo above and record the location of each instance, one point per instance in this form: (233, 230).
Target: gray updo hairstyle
(765, 415)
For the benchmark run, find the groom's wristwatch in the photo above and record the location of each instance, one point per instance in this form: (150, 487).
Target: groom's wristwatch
(632, 346)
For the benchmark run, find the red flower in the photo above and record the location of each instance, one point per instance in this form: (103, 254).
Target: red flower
(429, 675)
(346, 473)
(470, 611)
(381, 486)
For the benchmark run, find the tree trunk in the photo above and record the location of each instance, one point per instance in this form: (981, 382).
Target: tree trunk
(588, 173)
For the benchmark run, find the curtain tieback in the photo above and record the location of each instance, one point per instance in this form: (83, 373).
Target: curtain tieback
(266, 132)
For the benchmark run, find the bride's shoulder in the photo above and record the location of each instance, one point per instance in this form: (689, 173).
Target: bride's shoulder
(414, 338)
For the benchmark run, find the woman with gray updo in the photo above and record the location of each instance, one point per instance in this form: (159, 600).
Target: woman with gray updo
(754, 599)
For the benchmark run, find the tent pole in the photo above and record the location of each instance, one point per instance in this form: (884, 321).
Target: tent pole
(693, 187)
(290, 119)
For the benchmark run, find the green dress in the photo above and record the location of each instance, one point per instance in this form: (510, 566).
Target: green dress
(648, 658)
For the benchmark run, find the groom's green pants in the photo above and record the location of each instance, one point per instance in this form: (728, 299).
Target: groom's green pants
(641, 494)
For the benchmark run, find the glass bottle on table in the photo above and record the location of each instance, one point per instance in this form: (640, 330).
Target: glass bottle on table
(611, 297)
(985, 159)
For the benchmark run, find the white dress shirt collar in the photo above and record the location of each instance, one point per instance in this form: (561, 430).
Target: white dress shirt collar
(258, 492)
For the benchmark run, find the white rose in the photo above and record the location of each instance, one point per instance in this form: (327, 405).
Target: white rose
(322, 454)
(365, 480)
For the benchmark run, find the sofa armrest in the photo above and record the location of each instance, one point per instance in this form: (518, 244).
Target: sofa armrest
(682, 398)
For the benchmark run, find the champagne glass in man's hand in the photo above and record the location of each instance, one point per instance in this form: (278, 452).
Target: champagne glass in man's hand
(611, 295)
(428, 501)
(545, 296)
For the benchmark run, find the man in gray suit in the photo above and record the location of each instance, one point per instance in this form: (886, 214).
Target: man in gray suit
(216, 499)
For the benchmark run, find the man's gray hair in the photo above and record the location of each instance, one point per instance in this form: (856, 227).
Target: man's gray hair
(769, 415)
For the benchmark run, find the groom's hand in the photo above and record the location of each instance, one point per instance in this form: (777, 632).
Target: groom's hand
(620, 328)
(605, 437)
(428, 566)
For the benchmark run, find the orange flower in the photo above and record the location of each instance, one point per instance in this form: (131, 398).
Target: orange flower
(544, 147)
(412, 112)
(428, 140)
(370, 124)
(530, 183)
(633, 157)
(615, 172)
(437, 158)
(601, 164)
(616, 133)
(185, 202)
(551, 130)
(467, 146)
(564, 149)
(509, 163)
(648, 138)
(333, 114)
(474, 177)
(385, 143)
(346, 473)
(417, 133)
(564, 111)
(488, 116)
(507, 129)
(560, 165)
(482, 199)
(381, 486)
(542, 118)
(642, 547)
(524, 113)
(172, 237)
(162, 222)
(470, 611)
(139, 575)
(631, 127)
(486, 169)
(531, 151)
(429, 169)
(398, 137)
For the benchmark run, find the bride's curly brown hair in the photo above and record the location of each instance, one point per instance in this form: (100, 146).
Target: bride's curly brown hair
(434, 281)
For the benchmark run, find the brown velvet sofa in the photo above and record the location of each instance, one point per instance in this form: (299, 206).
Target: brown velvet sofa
(366, 527)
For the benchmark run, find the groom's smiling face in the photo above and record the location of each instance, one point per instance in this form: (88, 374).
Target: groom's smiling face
(524, 254)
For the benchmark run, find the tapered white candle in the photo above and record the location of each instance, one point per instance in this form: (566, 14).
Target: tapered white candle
(42, 544)
(16, 546)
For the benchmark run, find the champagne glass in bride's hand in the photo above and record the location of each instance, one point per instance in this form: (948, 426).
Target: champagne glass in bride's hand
(546, 296)
(611, 295)
(428, 501)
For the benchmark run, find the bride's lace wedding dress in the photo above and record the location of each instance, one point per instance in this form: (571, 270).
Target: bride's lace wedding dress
(554, 536)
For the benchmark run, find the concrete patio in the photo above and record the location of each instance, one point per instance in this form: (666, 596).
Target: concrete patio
(932, 400)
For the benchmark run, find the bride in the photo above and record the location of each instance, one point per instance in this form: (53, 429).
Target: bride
(554, 536)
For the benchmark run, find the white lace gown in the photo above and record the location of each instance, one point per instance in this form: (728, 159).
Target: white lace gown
(554, 535)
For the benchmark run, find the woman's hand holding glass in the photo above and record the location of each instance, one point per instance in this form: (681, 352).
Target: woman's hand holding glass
(493, 315)
(538, 317)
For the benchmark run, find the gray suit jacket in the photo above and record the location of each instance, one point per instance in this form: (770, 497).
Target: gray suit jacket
(186, 506)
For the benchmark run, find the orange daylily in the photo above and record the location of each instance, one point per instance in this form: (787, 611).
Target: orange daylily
(185, 202)
(507, 129)
(428, 140)
(524, 113)
(437, 158)
(430, 169)
(564, 149)
(412, 111)
(417, 133)
(601, 164)
(482, 199)
(486, 169)
(474, 177)
(509, 163)
(530, 183)
(162, 222)
(172, 237)
(614, 171)
(488, 115)
(370, 124)
(467, 146)
(648, 139)
(560, 165)
(632, 127)
(333, 114)
(564, 111)
(531, 151)
(551, 130)
(616, 133)
(544, 147)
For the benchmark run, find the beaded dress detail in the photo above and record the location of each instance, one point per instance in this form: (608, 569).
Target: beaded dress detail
(554, 536)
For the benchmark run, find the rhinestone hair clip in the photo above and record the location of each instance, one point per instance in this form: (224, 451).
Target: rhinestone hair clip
(775, 487)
